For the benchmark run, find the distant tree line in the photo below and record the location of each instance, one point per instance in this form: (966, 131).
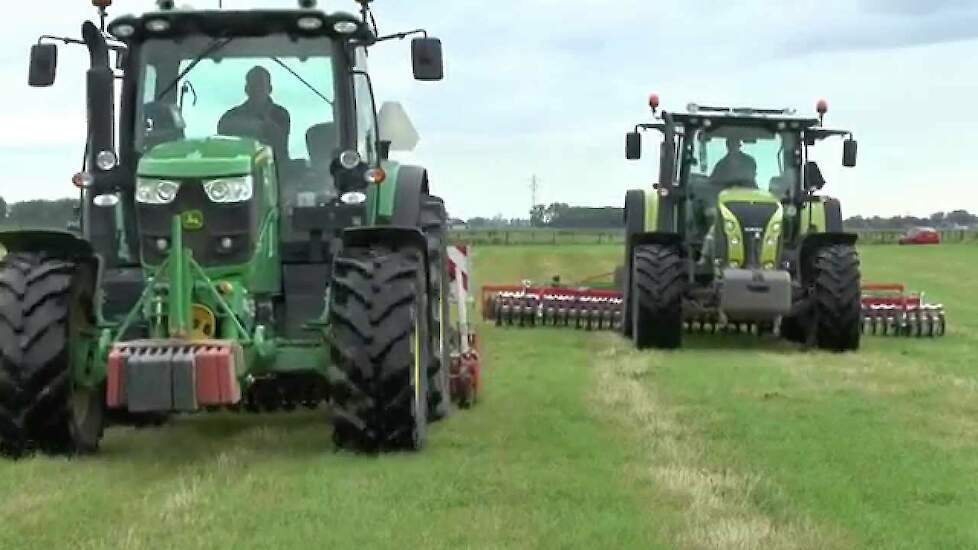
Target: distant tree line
(957, 219)
(38, 214)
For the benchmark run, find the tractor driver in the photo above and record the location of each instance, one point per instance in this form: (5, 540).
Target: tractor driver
(273, 119)
(736, 168)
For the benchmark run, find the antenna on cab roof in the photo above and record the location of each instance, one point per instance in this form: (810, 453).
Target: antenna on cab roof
(368, 15)
(102, 6)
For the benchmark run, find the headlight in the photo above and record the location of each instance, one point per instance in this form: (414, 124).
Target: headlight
(353, 197)
(106, 160)
(776, 227)
(157, 25)
(154, 191)
(224, 190)
(349, 159)
(309, 23)
(345, 27)
(731, 226)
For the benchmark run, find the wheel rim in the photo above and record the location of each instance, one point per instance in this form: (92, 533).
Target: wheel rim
(81, 405)
(83, 400)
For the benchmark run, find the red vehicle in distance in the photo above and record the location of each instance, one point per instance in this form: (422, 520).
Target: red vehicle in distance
(921, 235)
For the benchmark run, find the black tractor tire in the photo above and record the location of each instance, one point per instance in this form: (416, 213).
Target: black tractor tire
(434, 222)
(836, 290)
(46, 308)
(379, 322)
(658, 282)
(627, 316)
(793, 329)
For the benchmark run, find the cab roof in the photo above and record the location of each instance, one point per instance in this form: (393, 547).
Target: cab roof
(699, 115)
(229, 23)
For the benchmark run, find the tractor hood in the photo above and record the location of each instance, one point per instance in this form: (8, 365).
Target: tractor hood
(751, 228)
(216, 156)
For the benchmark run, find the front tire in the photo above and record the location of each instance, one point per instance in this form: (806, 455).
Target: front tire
(656, 297)
(836, 293)
(379, 319)
(46, 313)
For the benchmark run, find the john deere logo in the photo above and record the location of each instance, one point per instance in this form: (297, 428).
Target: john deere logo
(192, 220)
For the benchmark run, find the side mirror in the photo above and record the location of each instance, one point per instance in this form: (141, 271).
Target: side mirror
(813, 176)
(44, 65)
(396, 127)
(850, 148)
(633, 146)
(426, 56)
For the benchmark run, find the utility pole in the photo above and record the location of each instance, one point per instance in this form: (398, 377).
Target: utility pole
(534, 188)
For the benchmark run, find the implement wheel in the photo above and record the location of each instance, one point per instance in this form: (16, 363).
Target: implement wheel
(379, 318)
(46, 314)
(836, 292)
(656, 297)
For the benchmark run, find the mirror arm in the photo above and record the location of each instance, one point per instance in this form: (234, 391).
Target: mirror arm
(62, 39)
(658, 126)
(402, 35)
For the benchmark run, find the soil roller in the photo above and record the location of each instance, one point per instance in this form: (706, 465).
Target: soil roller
(891, 310)
(887, 310)
(526, 305)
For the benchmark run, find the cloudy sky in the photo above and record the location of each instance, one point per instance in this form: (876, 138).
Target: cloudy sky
(549, 87)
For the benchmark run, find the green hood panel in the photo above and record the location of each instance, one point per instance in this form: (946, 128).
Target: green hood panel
(743, 194)
(201, 158)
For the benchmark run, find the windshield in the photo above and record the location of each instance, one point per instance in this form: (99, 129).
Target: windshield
(275, 88)
(751, 157)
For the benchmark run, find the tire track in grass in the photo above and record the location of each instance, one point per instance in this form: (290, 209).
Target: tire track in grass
(717, 504)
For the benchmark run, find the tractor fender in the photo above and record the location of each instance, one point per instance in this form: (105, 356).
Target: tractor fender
(815, 241)
(634, 219)
(412, 184)
(634, 214)
(395, 236)
(60, 244)
(833, 215)
(658, 237)
(56, 244)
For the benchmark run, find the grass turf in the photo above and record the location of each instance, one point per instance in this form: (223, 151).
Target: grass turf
(580, 441)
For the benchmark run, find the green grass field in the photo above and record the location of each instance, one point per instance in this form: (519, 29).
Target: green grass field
(579, 442)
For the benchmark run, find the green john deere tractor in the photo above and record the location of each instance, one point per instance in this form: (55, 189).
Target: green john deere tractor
(735, 235)
(245, 241)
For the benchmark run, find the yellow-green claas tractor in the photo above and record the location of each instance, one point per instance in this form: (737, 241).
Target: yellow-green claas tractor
(735, 233)
(246, 242)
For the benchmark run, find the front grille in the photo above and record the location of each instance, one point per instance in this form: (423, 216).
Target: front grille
(237, 221)
(753, 218)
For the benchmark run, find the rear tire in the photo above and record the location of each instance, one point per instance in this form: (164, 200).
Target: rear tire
(656, 297)
(46, 312)
(836, 292)
(379, 319)
(433, 223)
